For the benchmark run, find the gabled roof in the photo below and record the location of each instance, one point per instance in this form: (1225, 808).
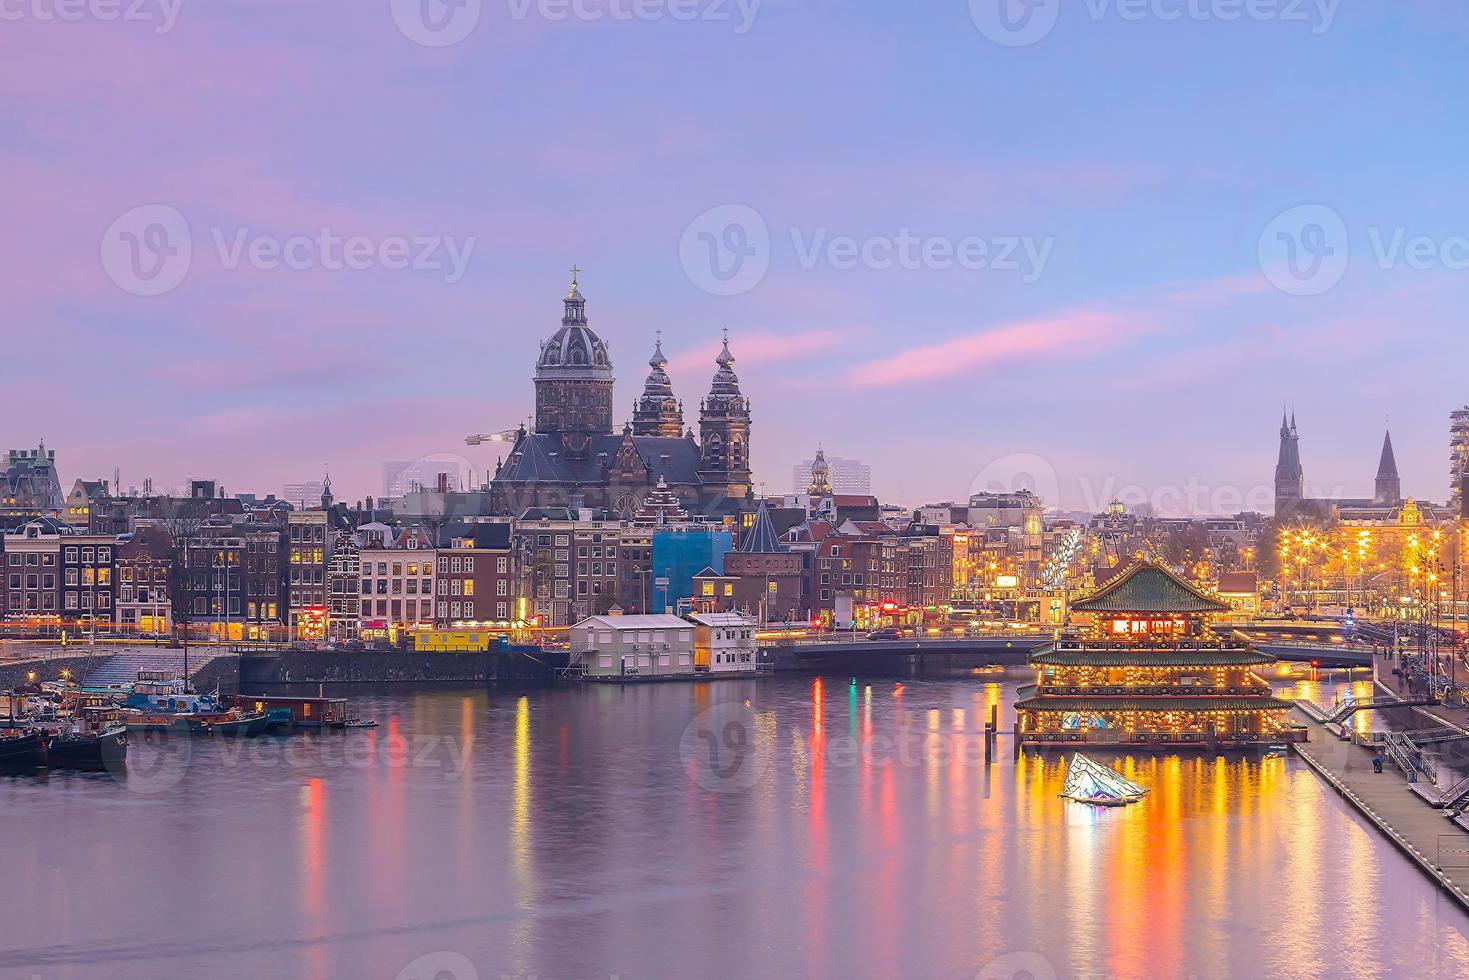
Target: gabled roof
(1148, 588)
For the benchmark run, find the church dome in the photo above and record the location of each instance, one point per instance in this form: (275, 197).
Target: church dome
(575, 349)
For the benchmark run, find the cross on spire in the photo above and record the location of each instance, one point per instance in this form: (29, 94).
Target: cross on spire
(575, 272)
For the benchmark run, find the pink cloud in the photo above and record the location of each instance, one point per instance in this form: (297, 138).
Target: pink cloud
(1071, 333)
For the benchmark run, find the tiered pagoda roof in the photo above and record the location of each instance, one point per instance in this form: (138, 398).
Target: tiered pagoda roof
(1149, 588)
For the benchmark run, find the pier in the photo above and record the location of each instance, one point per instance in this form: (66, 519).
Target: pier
(1437, 844)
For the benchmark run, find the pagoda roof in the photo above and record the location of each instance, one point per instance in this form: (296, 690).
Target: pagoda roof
(1148, 588)
(1161, 702)
(1215, 657)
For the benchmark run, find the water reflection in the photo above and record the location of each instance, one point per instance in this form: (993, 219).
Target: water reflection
(574, 842)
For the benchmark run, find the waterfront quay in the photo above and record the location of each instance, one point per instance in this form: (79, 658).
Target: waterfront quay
(1436, 844)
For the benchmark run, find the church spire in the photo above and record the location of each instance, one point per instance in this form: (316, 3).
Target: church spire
(658, 412)
(724, 430)
(1289, 478)
(1389, 486)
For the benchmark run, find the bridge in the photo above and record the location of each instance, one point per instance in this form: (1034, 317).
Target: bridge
(940, 655)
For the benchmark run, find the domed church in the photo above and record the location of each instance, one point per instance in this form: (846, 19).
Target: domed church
(573, 456)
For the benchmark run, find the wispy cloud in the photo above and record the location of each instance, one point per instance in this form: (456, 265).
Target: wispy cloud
(1067, 334)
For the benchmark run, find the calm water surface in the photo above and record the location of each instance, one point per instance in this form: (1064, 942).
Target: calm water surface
(785, 827)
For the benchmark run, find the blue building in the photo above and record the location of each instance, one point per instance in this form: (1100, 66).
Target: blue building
(680, 555)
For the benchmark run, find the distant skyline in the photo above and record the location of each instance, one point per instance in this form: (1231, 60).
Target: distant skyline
(948, 256)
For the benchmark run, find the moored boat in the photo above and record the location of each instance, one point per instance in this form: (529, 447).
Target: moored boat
(22, 748)
(98, 741)
(238, 722)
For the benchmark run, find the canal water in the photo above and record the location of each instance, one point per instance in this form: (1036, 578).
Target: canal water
(788, 827)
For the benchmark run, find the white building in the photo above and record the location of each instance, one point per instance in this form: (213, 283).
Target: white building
(634, 646)
(724, 642)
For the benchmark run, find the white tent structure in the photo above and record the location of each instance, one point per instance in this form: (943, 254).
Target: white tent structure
(1091, 782)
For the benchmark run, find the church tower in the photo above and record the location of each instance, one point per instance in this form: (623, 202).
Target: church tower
(1290, 480)
(657, 412)
(820, 486)
(574, 380)
(724, 433)
(1389, 486)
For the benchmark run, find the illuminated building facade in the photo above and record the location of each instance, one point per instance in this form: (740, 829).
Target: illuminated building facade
(1150, 672)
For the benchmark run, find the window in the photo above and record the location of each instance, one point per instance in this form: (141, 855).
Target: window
(502, 588)
(71, 555)
(469, 563)
(502, 565)
(469, 586)
(501, 611)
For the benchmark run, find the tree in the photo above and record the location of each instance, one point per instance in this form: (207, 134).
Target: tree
(183, 519)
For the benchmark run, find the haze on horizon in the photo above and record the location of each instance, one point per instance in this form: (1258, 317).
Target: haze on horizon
(1132, 176)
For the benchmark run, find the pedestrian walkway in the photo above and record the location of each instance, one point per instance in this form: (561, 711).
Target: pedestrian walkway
(1435, 843)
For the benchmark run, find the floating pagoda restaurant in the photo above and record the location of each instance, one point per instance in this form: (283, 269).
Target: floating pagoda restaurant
(1150, 672)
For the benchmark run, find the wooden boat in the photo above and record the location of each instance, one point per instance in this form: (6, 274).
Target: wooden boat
(164, 721)
(361, 723)
(238, 722)
(99, 740)
(1092, 783)
(22, 748)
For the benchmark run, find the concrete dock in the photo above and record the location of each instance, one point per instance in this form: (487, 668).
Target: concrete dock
(1433, 842)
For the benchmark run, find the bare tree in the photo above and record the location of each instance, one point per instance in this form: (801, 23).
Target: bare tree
(183, 519)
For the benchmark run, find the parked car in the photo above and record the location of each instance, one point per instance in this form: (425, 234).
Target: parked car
(886, 633)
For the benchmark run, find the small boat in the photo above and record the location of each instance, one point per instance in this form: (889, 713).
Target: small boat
(165, 721)
(22, 748)
(1090, 782)
(278, 720)
(99, 740)
(361, 723)
(237, 722)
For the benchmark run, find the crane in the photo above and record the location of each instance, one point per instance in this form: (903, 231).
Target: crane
(480, 438)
